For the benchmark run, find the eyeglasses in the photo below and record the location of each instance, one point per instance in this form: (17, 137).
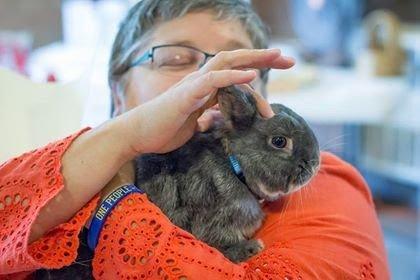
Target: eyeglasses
(176, 60)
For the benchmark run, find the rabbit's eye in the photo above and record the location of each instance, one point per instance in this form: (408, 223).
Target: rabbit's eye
(279, 142)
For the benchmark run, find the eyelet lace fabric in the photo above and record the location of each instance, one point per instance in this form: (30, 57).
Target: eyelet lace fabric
(319, 237)
(27, 183)
(168, 252)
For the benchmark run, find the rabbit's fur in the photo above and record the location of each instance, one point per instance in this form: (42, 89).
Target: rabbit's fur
(197, 189)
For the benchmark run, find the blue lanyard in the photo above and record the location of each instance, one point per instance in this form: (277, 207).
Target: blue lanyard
(103, 211)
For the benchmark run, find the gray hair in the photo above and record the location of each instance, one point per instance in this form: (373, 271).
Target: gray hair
(143, 16)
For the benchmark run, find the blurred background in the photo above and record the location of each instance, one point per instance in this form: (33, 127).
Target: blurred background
(357, 81)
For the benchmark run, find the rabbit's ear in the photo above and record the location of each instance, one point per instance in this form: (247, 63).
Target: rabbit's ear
(238, 107)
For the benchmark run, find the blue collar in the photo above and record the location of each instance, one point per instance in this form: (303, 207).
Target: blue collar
(236, 168)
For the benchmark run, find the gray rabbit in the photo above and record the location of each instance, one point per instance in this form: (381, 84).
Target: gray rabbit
(213, 185)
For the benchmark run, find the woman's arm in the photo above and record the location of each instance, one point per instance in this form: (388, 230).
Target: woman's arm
(90, 162)
(27, 183)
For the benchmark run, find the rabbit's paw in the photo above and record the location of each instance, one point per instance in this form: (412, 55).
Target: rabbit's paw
(243, 250)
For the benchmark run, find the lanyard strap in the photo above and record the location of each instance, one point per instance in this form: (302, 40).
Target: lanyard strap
(103, 211)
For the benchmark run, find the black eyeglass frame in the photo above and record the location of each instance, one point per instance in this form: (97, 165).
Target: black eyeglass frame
(149, 55)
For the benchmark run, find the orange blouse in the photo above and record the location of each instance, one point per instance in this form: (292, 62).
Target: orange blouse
(327, 230)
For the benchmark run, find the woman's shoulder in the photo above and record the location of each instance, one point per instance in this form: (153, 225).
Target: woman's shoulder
(334, 169)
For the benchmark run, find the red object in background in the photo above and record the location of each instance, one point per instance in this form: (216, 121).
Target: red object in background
(21, 57)
(15, 48)
(51, 78)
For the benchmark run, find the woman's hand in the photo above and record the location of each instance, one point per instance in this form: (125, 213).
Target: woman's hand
(168, 121)
(213, 115)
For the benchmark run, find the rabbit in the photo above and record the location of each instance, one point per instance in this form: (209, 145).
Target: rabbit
(196, 185)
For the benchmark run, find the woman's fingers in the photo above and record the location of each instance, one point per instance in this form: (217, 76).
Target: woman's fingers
(202, 89)
(213, 115)
(208, 119)
(262, 104)
(240, 59)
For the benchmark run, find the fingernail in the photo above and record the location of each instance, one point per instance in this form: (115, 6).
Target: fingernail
(248, 74)
(202, 125)
(251, 71)
(270, 114)
(274, 51)
(289, 59)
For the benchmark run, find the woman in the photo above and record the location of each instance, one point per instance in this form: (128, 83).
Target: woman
(163, 75)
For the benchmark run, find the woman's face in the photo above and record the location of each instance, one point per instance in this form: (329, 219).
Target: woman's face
(199, 30)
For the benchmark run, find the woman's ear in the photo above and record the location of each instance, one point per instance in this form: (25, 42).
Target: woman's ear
(238, 107)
